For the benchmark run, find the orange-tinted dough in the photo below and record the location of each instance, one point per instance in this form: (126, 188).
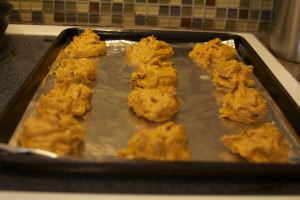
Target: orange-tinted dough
(51, 131)
(167, 142)
(155, 74)
(230, 73)
(157, 104)
(87, 44)
(262, 145)
(148, 49)
(68, 97)
(244, 105)
(78, 71)
(214, 51)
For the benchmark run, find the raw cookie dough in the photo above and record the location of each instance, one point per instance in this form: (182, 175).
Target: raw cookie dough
(262, 145)
(155, 74)
(214, 51)
(157, 104)
(78, 71)
(166, 143)
(148, 49)
(51, 131)
(68, 97)
(88, 44)
(230, 73)
(244, 105)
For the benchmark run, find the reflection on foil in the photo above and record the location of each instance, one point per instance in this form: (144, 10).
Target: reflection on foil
(110, 123)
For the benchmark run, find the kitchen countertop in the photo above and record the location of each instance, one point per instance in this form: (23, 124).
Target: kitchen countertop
(11, 179)
(292, 67)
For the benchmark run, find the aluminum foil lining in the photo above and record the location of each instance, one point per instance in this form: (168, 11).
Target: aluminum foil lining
(110, 123)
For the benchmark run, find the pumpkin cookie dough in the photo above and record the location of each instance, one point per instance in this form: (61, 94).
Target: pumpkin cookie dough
(51, 131)
(155, 74)
(262, 145)
(87, 44)
(230, 73)
(148, 49)
(157, 104)
(165, 143)
(68, 97)
(244, 105)
(81, 71)
(214, 51)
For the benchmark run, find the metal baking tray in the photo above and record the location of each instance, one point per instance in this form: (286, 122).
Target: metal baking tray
(110, 123)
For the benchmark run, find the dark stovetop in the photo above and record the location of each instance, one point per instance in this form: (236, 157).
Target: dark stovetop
(19, 55)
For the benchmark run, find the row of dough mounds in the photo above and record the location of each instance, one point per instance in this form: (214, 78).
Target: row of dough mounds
(55, 127)
(243, 104)
(154, 97)
(154, 94)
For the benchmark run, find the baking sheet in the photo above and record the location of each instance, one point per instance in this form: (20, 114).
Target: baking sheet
(210, 158)
(110, 123)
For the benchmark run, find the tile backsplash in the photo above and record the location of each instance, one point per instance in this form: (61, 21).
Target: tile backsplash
(227, 15)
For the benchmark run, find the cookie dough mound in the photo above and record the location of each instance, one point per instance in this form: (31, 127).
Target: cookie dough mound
(81, 71)
(88, 44)
(155, 74)
(148, 49)
(158, 104)
(214, 51)
(230, 73)
(51, 131)
(244, 105)
(262, 145)
(165, 143)
(68, 97)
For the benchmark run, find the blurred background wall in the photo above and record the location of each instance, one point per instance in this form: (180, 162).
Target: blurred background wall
(225, 15)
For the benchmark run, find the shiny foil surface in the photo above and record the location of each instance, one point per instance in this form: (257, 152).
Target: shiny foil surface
(110, 123)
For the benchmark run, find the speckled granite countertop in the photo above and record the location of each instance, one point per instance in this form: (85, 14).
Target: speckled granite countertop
(25, 52)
